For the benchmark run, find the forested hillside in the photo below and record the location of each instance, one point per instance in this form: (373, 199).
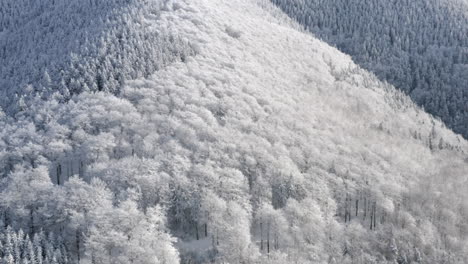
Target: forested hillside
(67, 47)
(420, 47)
(255, 143)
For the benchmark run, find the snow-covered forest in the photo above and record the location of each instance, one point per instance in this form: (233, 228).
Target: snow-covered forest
(232, 136)
(72, 46)
(420, 47)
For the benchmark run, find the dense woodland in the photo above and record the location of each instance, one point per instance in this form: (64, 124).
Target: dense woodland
(253, 143)
(67, 47)
(420, 47)
(19, 247)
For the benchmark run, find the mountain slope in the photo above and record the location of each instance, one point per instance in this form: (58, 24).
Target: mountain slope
(66, 47)
(267, 146)
(420, 47)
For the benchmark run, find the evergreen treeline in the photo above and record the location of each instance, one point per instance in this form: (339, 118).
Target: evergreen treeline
(420, 47)
(20, 248)
(67, 47)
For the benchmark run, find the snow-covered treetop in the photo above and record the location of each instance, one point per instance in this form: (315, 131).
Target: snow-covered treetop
(262, 145)
(71, 46)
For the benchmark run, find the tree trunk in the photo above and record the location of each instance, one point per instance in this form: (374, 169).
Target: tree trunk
(68, 169)
(348, 206)
(357, 207)
(365, 208)
(77, 236)
(81, 169)
(261, 236)
(5, 218)
(31, 214)
(59, 173)
(375, 214)
(71, 168)
(268, 238)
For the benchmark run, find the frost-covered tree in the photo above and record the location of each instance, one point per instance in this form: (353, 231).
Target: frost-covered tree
(276, 148)
(84, 46)
(17, 248)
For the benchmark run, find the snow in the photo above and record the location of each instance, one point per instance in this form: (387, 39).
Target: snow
(262, 124)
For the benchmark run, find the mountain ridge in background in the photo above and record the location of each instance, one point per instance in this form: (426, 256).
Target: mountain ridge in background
(420, 47)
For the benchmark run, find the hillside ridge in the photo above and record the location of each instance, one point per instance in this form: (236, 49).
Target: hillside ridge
(262, 145)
